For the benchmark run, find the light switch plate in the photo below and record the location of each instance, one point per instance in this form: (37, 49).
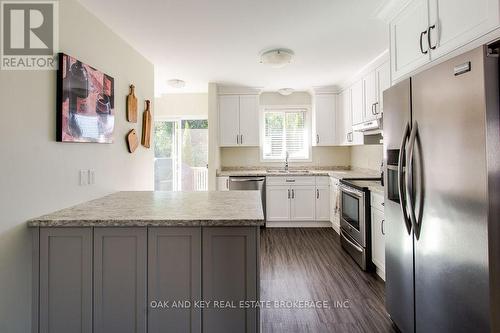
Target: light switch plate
(91, 176)
(84, 177)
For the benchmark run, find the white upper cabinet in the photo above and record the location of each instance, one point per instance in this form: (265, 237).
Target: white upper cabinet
(425, 30)
(454, 23)
(229, 120)
(324, 119)
(238, 120)
(249, 120)
(345, 135)
(357, 102)
(370, 96)
(343, 121)
(383, 78)
(408, 30)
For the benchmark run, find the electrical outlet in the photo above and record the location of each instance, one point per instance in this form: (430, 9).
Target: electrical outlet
(84, 177)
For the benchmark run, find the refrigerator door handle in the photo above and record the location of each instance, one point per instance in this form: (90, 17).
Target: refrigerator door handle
(410, 178)
(401, 178)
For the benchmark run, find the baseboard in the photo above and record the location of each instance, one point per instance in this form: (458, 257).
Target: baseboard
(299, 224)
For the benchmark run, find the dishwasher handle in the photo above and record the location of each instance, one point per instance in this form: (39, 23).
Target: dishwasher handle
(247, 179)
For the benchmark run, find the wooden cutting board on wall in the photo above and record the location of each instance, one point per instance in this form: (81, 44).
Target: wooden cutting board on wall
(146, 125)
(132, 105)
(132, 141)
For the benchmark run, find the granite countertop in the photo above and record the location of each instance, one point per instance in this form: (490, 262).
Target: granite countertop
(375, 187)
(129, 209)
(335, 172)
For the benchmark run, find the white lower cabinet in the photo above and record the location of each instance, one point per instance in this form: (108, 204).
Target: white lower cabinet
(222, 183)
(322, 203)
(278, 203)
(303, 203)
(378, 234)
(297, 199)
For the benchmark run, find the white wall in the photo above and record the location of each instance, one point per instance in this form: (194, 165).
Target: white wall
(39, 175)
(296, 98)
(181, 105)
(367, 157)
(250, 156)
(214, 152)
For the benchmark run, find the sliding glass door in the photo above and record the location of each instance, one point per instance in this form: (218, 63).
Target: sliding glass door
(181, 155)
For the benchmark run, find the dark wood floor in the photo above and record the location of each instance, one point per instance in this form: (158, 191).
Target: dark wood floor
(309, 264)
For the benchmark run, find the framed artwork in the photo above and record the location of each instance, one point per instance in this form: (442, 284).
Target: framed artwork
(85, 102)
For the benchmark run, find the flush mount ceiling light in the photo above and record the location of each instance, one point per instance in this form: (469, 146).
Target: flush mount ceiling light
(176, 83)
(276, 58)
(285, 91)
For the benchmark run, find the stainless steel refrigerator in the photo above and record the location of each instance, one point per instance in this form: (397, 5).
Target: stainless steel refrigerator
(442, 197)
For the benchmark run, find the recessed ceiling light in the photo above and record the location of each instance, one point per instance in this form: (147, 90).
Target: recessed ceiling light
(176, 83)
(276, 58)
(285, 91)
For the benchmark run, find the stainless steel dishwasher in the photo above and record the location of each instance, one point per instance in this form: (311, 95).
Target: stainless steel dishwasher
(250, 184)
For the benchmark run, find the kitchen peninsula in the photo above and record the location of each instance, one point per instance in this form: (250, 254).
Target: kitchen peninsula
(99, 266)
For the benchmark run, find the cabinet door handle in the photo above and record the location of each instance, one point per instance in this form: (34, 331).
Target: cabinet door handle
(421, 47)
(317, 194)
(317, 138)
(227, 183)
(293, 194)
(237, 139)
(241, 139)
(288, 193)
(375, 107)
(382, 229)
(429, 37)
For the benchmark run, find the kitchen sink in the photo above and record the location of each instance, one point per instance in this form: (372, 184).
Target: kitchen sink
(288, 172)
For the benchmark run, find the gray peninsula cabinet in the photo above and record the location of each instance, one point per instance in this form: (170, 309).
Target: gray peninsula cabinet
(145, 279)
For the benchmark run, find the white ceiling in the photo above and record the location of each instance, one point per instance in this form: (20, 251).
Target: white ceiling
(203, 41)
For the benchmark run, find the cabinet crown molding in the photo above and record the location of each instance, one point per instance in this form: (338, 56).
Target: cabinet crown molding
(238, 90)
(388, 10)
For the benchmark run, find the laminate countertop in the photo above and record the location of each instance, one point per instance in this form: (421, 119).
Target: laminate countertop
(139, 209)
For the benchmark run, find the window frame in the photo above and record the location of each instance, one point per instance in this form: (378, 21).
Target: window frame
(307, 126)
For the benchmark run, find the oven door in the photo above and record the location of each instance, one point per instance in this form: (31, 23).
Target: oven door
(352, 213)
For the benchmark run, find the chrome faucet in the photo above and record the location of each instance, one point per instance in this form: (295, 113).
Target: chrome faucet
(286, 161)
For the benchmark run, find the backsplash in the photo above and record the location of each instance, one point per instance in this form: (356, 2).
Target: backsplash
(367, 156)
(250, 156)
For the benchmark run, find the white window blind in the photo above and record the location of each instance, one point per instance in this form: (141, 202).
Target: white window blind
(285, 131)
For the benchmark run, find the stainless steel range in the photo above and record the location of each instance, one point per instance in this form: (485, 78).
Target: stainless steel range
(355, 222)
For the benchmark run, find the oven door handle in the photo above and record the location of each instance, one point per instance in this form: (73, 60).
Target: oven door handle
(348, 190)
(356, 246)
